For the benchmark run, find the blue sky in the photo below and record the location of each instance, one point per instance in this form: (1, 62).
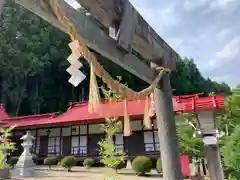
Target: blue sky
(206, 30)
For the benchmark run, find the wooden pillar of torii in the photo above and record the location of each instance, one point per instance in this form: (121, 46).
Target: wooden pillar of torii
(169, 146)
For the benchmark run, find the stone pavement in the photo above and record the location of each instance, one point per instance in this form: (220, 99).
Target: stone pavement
(77, 173)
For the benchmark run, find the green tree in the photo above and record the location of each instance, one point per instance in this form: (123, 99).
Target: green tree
(190, 143)
(187, 79)
(110, 156)
(228, 122)
(231, 152)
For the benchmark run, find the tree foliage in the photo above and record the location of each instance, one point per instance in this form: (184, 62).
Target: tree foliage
(111, 157)
(190, 143)
(187, 79)
(230, 144)
(5, 145)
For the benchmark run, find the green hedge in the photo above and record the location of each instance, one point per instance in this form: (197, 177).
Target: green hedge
(68, 162)
(159, 166)
(50, 161)
(12, 161)
(88, 162)
(142, 165)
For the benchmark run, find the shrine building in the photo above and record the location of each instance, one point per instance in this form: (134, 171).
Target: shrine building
(77, 132)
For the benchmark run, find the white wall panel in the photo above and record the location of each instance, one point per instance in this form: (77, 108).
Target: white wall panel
(136, 125)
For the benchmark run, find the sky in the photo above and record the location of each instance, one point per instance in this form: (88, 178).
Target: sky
(206, 30)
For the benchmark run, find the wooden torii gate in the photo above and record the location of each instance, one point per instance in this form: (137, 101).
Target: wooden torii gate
(115, 29)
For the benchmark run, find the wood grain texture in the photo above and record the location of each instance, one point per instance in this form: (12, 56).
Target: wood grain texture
(127, 27)
(145, 41)
(93, 36)
(214, 162)
(169, 146)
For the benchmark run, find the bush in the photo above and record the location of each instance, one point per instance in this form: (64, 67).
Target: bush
(12, 161)
(231, 177)
(68, 162)
(141, 165)
(159, 166)
(88, 162)
(50, 161)
(120, 165)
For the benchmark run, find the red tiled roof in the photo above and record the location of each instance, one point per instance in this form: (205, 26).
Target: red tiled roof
(22, 121)
(3, 113)
(78, 112)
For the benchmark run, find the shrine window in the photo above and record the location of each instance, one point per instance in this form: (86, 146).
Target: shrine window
(151, 141)
(36, 146)
(156, 138)
(118, 141)
(54, 145)
(148, 141)
(79, 145)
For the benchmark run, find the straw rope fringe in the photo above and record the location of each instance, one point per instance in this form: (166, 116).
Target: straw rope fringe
(113, 84)
(96, 68)
(94, 95)
(127, 126)
(146, 119)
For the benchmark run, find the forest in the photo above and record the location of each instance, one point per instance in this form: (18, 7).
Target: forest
(33, 77)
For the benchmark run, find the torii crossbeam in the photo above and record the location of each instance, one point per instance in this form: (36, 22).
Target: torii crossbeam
(115, 29)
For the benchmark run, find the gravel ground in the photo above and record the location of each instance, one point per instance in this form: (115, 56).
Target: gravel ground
(77, 173)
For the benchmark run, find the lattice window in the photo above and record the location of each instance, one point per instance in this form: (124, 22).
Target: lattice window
(148, 141)
(156, 138)
(79, 145)
(36, 146)
(119, 141)
(54, 145)
(151, 141)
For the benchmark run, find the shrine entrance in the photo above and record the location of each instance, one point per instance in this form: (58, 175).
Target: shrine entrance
(118, 32)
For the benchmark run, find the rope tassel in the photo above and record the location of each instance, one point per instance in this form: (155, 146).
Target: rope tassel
(127, 128)
(152, 106)
(146, 119)
(94, 95)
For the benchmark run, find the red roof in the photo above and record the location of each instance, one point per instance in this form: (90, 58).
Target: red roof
(78, 112)
(33, 120)
(3, 113)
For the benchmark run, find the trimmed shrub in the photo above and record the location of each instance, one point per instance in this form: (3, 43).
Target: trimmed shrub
(68, 162)
(119, 166)
(50, 161)
(141, 165)
(12, 161)
(233, 176)
(88, 162)
(159, 166)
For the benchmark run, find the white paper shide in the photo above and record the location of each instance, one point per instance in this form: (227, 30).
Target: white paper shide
(76, 75)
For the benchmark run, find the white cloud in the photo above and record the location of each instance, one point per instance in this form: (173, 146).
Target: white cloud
(169, 17)
(228, 53)
(73, 3)
(200, 29)
(190, 5)
(224, 33)
(224, 5)
(175, 42)
(159, 17)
